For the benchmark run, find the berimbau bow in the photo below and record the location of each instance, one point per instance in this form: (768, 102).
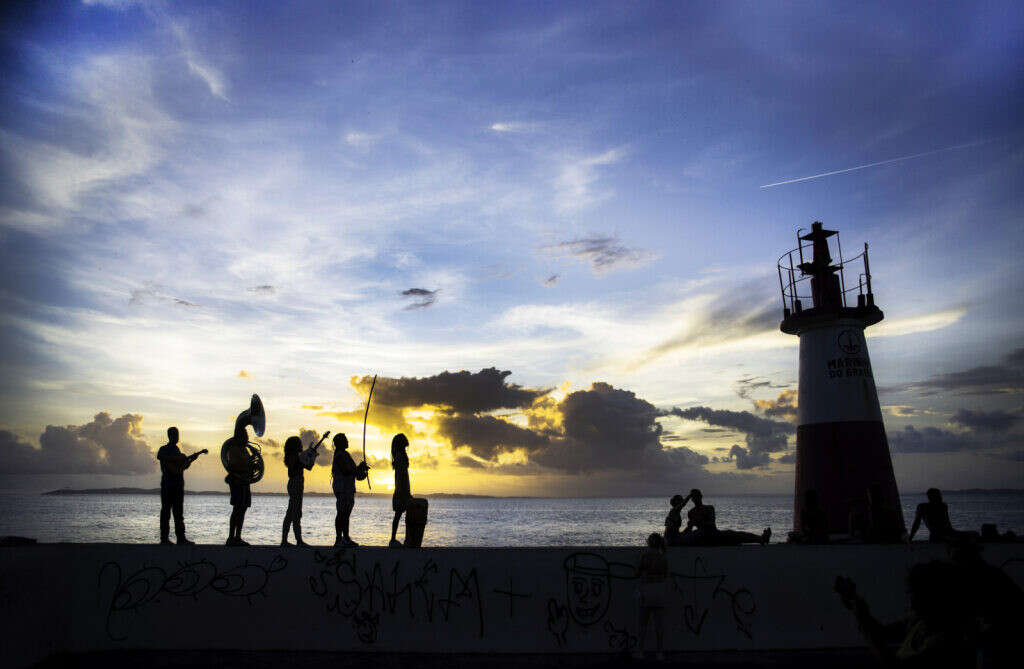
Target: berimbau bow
(365, 414)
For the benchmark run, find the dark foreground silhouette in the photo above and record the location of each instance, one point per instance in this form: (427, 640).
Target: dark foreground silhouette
(173, 464)
(701, 529)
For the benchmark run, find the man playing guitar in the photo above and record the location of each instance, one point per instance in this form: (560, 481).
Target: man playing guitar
(173, 464)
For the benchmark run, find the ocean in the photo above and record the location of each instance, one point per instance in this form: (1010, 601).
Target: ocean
(477, 522)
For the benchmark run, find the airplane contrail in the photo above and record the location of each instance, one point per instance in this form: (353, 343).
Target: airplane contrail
(880, 162)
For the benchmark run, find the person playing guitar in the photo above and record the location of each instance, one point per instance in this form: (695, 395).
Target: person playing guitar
(173, 464)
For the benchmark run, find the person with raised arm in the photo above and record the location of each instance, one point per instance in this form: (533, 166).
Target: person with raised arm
(344, 473)
(173, 464)
(935, 515)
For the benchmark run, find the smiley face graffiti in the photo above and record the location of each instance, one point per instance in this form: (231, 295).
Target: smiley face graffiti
(588, 585)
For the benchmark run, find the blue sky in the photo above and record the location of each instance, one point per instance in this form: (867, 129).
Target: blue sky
(205, 200)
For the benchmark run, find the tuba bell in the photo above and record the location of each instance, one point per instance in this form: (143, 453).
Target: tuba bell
(256, 417)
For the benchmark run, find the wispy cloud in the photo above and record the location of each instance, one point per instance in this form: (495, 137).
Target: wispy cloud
(604, 254)
(576, 179)
(422, 298)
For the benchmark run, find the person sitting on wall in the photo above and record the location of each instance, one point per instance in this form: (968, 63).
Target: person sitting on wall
(883, 519)
(674, 520)
(813, 522)
(701, 522)
(403, 490)
(937, 633)
(935, 514)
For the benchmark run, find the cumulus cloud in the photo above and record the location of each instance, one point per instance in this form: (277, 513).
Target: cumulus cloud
(421, 298)
(603, 254)
(763, 435)
(102, 446)
(455, 392)
(783, 406)
(986, 421)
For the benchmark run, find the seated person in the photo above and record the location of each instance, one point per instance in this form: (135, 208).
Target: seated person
(674, 520)
(701, 522)
(883, 525)
(935, 515)
(813, 522)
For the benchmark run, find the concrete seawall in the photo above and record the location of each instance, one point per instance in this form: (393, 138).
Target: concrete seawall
(84, 597)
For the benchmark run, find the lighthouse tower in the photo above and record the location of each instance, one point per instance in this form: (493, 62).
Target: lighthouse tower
(841, 448)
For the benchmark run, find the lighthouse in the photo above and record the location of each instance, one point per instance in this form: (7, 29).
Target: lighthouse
(841, 448)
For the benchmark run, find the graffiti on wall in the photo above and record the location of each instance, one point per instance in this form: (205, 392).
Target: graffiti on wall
(144, 587)
(361, 594)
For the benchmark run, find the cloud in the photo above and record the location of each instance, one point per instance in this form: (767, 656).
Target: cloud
(746, 386)
(487, 436)
(242, 374)
(576, 178)
(746, 459)
(986, 421)
(265, 289)
(140, 296)
(744, 312)
(929, 440)
(454, 392)
(783, 406)
(604, 254)
(423, 298)
(512, 126)
(552, 280)
(102, 446)
(901, 410)
(787, 458)
(1004, 378)
(313, 407)
(763, 435)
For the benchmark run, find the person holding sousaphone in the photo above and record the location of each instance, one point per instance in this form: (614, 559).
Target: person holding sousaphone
(244, 463)
(295, 460)
(173, 464)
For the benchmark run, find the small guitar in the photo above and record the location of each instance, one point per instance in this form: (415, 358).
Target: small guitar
(308, 456)
(181, 463)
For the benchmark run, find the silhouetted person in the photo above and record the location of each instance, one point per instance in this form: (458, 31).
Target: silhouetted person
(674, 520)
(813, 521)
(173, 464)
(701, 522)
(239, 478)
(296, 484)
(344, 473)
(652, 593)
(935, 515)
(936, 633)
(403, 491)
(997, 603)
(883, 519)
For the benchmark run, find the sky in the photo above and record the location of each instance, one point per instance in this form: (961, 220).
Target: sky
(550, 229)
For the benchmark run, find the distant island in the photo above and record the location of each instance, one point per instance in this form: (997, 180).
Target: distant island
(453, 495)
(156, 491)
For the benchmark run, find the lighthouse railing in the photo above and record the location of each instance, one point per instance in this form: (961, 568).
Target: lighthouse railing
(794, 284)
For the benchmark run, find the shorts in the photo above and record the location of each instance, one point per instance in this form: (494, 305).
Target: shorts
(399, 502)
(241, 494)
(295, 488)
(653, 595)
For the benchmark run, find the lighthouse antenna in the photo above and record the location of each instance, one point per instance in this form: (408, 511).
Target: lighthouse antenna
(867, 274)
(800, 244)
(842, 272)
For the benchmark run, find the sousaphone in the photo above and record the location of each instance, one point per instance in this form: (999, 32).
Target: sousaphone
(256, 417)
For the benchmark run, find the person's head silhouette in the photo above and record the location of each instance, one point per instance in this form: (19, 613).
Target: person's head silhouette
(677, 500)
(292, 445)
(340, 442)
(398, 445)
(172, 435)
(697, 496)
(934, 496)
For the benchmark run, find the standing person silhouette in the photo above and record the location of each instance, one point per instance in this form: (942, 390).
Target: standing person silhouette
(674, 520)
(239, 477)
(296, 484)
(403, 492)
(652, 593)
(173, 464)
(344, 473)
